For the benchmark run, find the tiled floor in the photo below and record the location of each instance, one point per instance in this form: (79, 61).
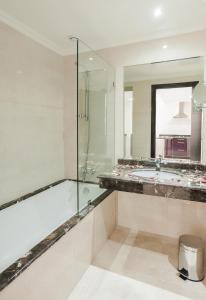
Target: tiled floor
(145, 258)
(99, 284)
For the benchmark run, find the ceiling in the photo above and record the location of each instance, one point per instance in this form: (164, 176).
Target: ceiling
(170, 69)
(102, 23)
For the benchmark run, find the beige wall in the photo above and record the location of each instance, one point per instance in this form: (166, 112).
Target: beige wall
(160, 215)
(54, 274)
(141, 139)
(31, 115)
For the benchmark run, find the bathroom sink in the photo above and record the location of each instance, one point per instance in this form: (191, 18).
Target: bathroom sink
(159, 175)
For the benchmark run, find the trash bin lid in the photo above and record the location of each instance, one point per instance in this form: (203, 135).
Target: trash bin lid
(191, 241)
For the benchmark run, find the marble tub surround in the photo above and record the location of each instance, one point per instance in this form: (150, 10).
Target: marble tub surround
(191, 186)
(55, 273)
(22, 263)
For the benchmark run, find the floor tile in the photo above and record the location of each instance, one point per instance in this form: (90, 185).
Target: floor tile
(99, 284)
(147, 258)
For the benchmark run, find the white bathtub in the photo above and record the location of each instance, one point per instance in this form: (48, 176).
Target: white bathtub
(25, 224)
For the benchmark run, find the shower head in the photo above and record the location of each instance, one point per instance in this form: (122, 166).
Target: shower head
(72, 37)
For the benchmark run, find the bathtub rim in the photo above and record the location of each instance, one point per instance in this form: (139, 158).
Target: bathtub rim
(28, 195)
(40, 190)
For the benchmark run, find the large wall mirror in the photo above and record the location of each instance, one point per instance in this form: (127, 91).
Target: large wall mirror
(160, 116)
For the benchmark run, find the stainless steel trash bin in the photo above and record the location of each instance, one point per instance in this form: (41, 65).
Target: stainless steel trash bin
(191, 258)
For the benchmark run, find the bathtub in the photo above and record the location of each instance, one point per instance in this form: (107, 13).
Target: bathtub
(25, 224)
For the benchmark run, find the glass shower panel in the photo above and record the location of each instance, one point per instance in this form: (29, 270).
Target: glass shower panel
(95, 115)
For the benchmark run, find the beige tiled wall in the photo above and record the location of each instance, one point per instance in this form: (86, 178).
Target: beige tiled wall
(31, 115)
(104, 222)
(54, 274)
(166, 216)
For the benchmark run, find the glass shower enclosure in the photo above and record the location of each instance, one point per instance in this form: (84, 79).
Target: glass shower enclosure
(95, 117)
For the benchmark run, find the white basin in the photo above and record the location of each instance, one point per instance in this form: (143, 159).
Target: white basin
(160, 175)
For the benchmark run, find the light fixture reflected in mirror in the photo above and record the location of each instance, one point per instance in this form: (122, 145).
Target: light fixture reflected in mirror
(199, 95)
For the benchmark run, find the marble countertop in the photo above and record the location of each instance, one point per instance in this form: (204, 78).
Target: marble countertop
(190, 185)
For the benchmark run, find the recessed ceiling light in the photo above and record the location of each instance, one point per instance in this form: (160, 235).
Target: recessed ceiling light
(157, 12)
(165, 46)
(91, 58)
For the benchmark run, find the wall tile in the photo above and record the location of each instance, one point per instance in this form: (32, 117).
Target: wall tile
(166, 216)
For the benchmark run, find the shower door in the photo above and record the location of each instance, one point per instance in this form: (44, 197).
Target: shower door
(95, 115)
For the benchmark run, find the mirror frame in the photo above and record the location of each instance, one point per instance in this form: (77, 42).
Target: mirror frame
(153, 107)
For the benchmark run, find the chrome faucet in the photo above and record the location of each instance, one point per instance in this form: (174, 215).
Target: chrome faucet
(158, 162)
